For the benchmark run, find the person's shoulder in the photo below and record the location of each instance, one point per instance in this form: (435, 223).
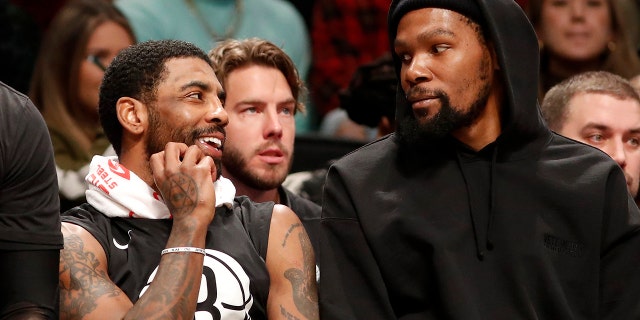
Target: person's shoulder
(243, 203)
(562, 147)
(253, 215)
(303, 207)
(380, 150)
(283, 216)
(83, 214)
(13, 102)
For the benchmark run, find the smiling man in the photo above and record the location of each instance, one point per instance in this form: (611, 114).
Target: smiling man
(162, 235)
(603, 110)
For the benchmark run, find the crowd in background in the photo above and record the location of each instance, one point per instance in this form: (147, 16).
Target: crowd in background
(57, 52)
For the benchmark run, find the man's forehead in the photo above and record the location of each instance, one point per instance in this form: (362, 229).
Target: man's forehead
(187, 69)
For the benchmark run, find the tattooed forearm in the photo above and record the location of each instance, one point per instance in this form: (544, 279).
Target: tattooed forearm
(305, 294)
(286, 314)
(286, 236)
(87, 283)
(174, 290)
(181, 194)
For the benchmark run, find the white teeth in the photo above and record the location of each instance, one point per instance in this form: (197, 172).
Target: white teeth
(211, 140)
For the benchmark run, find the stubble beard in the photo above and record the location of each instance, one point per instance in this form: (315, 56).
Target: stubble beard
(160, 134)
(236, 165)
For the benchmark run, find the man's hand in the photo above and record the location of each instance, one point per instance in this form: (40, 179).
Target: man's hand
(184, 176)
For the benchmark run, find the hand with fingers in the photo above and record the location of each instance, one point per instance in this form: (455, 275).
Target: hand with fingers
(184, 176)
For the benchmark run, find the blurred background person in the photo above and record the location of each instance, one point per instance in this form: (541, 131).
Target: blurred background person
(603, 110)
(367, 105)
(80, 43)
(206, 22)
(583, 35)
(344, 35)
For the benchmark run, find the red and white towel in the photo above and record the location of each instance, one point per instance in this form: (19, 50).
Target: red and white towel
(117, 192)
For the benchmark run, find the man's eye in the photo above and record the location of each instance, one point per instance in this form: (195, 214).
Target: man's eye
(195, 95)
(404, 58)
(287, 110)
(439, 48)
(596, 137)
(634, 142)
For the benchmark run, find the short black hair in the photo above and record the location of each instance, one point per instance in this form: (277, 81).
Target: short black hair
(136, 72)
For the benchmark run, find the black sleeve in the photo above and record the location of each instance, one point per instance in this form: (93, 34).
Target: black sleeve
(29, 202)
(351, 285)
(619, 276)
(256, 219)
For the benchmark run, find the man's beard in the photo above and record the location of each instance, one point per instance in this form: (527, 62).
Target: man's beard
(415, 134)
(238, 167)
(160, 134)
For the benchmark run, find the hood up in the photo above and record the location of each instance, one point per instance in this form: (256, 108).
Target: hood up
(508, 29)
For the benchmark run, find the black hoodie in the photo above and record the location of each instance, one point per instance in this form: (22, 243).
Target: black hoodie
(535, 226)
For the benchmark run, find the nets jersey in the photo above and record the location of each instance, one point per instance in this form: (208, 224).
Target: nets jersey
(235, 279)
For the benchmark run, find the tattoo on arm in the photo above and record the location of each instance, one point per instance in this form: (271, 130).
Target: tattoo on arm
(182, 193)
(305, 295)
(87, 282)
(170, 299)
(286, 314)
(286, 236)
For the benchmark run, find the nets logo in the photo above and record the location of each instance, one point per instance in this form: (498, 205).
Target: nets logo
(224, 289)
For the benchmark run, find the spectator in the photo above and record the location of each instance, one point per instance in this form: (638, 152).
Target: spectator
(603, 110)
(473, 208)
(81, 42)
(576, 36)
(30, 238)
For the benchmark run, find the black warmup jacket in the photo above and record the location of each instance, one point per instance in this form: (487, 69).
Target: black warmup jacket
(534, 226)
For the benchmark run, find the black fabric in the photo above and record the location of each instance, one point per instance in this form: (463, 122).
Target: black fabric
(535, 226)
(236, 245)
(29, 284)
(29, 204)
(467, 8)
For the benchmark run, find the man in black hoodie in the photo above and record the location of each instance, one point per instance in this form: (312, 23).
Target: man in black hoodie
(474, 209)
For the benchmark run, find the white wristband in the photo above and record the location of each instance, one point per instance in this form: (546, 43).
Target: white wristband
(183, 249)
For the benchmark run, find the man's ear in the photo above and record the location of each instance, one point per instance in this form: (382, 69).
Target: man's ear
(133, 115)
(494, 57)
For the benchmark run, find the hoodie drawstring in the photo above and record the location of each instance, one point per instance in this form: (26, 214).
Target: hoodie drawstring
(492, 195)
(480, 251)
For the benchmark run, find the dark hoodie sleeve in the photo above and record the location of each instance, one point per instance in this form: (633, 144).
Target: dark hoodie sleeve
(619, 272)
(356, 289)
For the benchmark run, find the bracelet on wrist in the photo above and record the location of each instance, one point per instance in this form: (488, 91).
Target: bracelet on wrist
(183, 249)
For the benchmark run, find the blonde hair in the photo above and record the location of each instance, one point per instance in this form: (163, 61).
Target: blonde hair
(233, 54)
